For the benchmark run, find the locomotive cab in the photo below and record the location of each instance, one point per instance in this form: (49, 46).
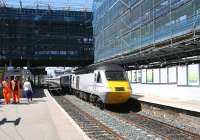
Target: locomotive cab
(112, 85)
(119, 86)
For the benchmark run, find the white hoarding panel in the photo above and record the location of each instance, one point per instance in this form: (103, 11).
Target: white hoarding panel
(139, 76)
(129, 76)
(149, 76)
(163, 75)
(182, 75)
(172, 74)
(144, 76)
(156, 76)
(134, 76)
(193, 74)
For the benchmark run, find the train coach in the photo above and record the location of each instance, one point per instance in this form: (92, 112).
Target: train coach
(61, 82)
(101, 85)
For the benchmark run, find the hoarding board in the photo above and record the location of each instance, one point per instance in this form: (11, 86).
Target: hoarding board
(149, 76)
(156, 76)
(182, 75)
(163, 75)
(172, 74)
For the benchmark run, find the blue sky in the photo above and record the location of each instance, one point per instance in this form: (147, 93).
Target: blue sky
(54, 3)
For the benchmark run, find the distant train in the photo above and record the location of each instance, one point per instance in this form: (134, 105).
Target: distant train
(102, 84)
(59, 83)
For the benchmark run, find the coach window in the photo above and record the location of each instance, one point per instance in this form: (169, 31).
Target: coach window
(99, 78)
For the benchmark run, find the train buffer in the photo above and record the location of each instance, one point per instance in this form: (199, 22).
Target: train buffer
(42, 118)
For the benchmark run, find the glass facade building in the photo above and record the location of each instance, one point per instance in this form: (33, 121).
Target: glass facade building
(124, 26)
(45, 37)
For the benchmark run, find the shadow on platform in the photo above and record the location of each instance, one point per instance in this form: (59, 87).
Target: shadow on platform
(38, 93)
(137, 96)
(15, 122)
(132, 105)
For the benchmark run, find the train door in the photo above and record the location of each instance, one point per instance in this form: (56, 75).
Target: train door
(98, 82)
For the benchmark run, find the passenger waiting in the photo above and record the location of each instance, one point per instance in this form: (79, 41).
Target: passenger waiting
(28, 90)
(15, 90)
(6, 90)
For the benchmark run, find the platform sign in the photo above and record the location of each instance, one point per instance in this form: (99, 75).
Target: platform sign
(193, 74)
(149, 76)
(182, 75)
(163, 75)
(156, 76)
(144, 76)
(172, 75)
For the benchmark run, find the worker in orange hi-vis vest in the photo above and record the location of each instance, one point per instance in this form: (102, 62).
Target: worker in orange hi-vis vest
(6, 90)
(16, 90)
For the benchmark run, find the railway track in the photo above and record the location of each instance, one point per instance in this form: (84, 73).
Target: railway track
(110, 125)
(93, 128)
(158, 128)
(100, 124)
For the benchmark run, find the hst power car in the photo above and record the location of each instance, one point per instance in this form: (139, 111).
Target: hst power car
(103, 84)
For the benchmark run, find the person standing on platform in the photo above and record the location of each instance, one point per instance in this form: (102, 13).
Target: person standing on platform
(6, 90)
(16, 90)
(28, 90)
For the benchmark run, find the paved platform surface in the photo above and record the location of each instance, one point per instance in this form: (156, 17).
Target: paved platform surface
(42, 119)
(191, 105)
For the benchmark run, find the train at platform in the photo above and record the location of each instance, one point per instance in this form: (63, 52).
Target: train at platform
(101, 84)
(61, 82)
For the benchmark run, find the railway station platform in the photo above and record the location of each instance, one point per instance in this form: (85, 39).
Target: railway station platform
(177, 103)
(42, 119)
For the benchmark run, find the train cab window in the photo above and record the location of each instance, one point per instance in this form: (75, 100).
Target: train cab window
(99, 80)
(116, 76)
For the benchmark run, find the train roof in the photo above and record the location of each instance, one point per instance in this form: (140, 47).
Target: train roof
(92, 68)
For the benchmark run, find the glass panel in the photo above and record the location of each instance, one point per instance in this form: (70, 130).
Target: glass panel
(193, 74)
(182, 75)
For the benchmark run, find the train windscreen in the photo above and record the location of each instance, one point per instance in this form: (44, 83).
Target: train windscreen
(116, 76)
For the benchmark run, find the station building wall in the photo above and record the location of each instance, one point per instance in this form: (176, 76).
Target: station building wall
(181, 82)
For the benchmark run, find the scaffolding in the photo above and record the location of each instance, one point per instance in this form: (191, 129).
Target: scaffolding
(71, 5)
(40, 36)
(124, 26)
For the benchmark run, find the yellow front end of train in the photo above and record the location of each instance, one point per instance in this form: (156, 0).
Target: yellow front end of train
(120, 92)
